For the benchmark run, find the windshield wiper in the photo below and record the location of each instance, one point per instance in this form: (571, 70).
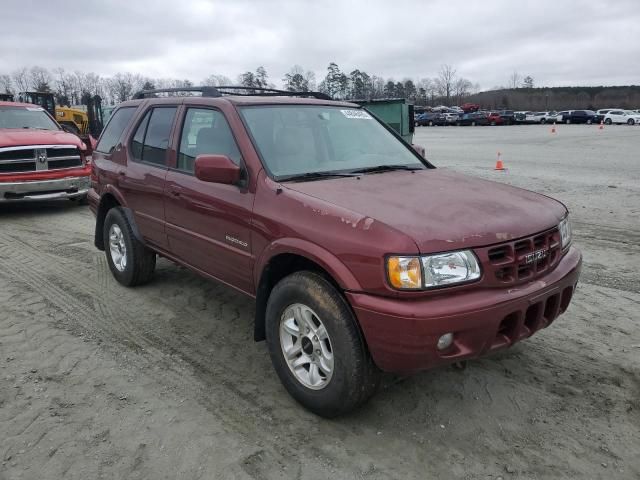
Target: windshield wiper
(385, 168)
(316, 175)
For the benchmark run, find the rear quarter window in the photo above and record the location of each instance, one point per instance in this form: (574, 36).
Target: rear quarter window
(113, 131)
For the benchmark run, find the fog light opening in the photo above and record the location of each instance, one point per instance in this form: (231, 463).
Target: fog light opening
(445, 341)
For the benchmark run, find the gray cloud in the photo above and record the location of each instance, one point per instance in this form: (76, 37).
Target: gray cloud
(558, 43)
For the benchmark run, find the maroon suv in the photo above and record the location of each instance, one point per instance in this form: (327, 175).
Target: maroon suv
(361, 256)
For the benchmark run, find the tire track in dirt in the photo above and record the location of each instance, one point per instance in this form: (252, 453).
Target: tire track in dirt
(26, 261)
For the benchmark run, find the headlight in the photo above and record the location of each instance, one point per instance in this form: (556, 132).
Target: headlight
(565, 232)
(429, 271)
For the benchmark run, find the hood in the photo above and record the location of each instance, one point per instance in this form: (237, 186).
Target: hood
(14, 137)
(439, 209)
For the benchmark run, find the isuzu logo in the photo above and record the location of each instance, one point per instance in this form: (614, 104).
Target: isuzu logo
(535, 256)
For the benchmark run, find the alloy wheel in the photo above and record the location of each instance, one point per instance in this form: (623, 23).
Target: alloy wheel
(117, 248)
(306, 346)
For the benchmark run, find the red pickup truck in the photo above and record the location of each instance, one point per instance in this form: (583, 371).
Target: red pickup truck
(361, 255)
(38, 160)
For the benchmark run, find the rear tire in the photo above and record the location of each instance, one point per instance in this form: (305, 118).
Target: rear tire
(631, 121)
(130, 262)
(329, 370)
(567, 121)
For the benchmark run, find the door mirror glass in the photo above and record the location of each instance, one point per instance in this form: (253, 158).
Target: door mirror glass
(216, 169)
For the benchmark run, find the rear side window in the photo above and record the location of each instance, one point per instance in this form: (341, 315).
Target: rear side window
(151, 140)
(113, 131)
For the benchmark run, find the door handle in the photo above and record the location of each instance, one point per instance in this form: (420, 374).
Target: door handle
(175, 191)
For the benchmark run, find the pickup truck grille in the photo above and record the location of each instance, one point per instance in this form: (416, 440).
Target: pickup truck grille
(40, 157)
(521, 260)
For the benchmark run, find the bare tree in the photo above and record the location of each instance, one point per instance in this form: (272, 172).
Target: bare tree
(462, 89)
(514, 80)
(216, 81)
(20, 79)
(122, 86)
(40, 79)
(6, 84)
(445, 82)
(429, 87)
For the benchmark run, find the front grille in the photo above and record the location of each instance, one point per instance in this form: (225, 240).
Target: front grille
(31, 159)
(521, 260)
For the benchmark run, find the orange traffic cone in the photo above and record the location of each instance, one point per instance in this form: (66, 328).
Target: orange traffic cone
(553, 129)
(499, 164)
(601, 127)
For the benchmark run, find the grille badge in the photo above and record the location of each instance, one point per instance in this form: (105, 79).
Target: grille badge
(41, 159)
(535, 256)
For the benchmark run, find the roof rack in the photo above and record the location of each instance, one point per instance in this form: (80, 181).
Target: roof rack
(221, 90)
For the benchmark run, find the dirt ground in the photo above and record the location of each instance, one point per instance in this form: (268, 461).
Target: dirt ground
(164, 381)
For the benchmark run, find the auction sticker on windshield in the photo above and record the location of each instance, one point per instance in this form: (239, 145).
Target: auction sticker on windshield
(361, 114)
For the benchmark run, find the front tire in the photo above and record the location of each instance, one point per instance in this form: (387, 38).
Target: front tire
(631, 121)
(130, 262)
(316, 347)
(543, 121)
(608, 121)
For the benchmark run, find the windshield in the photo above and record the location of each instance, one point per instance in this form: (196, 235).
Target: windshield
(298, 139)
(26, 117)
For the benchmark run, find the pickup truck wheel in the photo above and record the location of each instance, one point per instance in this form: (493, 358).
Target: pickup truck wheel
(130, 262)
(316, 347)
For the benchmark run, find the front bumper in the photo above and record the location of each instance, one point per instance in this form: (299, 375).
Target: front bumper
(402, 334)
(59, 188)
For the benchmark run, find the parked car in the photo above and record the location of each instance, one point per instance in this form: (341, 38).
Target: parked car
(622, 116)
(470, 107)
(578, 116)
(560, 116)
(38, 160)
(508, 117)
(472, 119)
(430, 119)
(521, 117)
(361, 256)
(539, 117)
(495, 118)
(451, 118)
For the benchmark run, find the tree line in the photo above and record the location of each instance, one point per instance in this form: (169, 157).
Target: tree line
(446, 88)
(69, 87)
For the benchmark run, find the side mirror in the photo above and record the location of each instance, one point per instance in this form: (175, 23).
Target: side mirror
(216, 169)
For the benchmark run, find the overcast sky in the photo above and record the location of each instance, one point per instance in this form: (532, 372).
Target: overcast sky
(557, 42)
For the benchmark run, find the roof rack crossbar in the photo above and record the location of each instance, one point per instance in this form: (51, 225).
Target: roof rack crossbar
(205, 91)
(241, 90)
